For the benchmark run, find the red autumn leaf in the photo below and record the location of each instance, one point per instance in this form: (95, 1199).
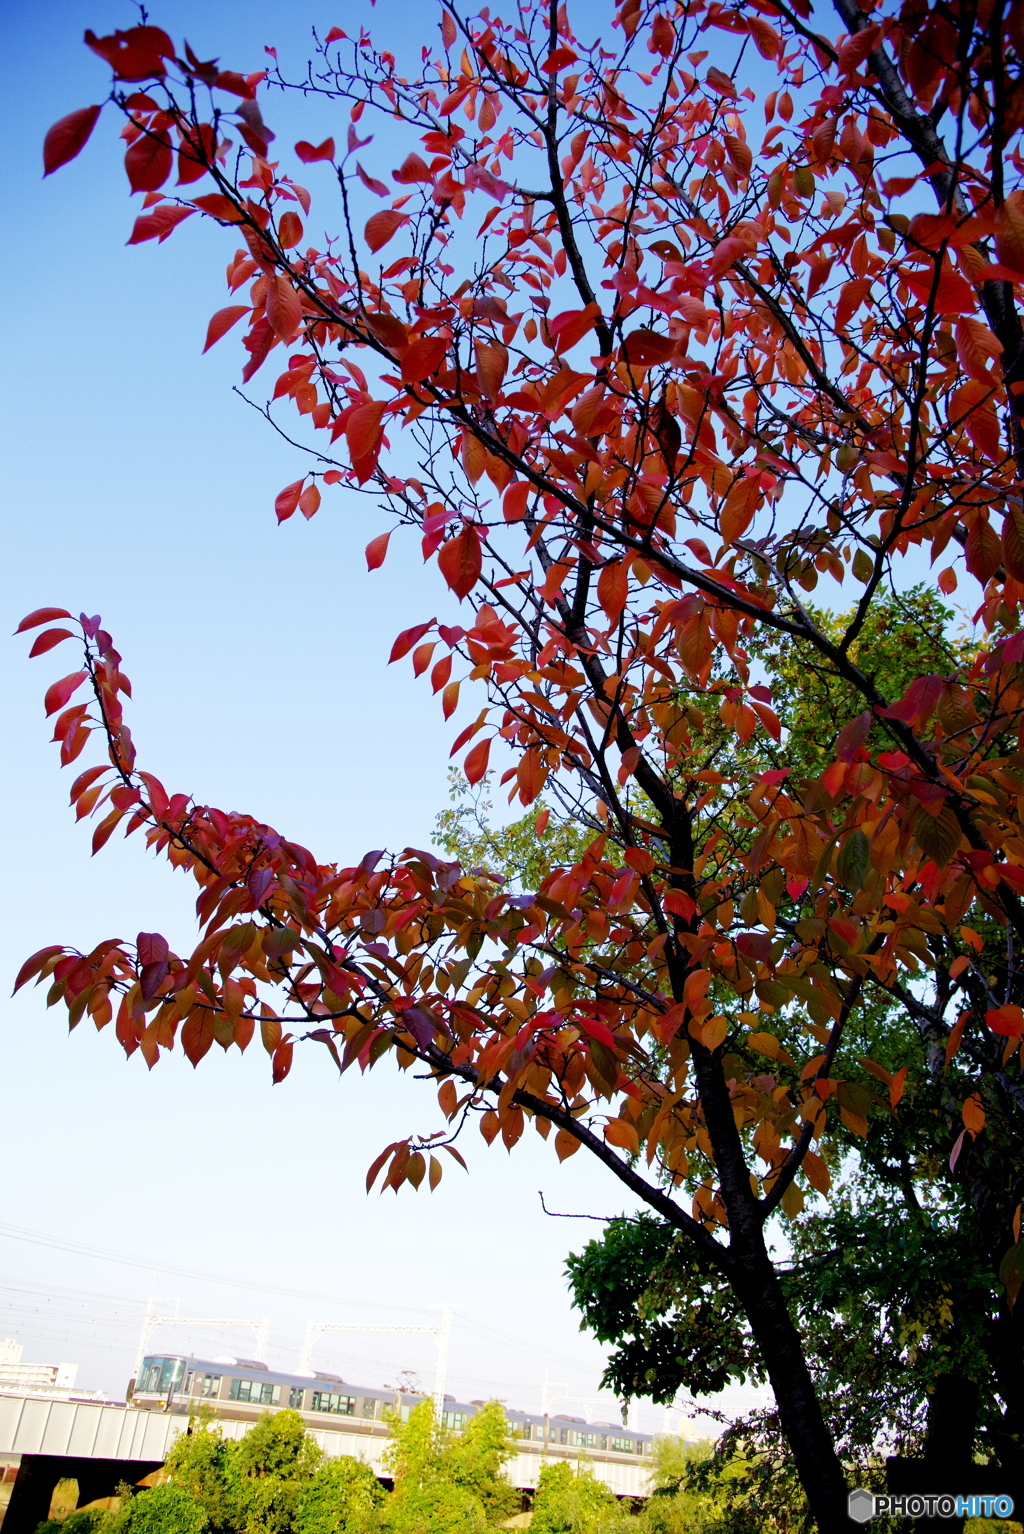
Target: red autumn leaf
(196, 152)
(307, 153)
(370, 182)
(460, 560)
(977, 348)
(284, 310)
(422, 358)
(218, 206)
(149, 161)
(287, 500)
(58, 694)
(376, 551)
(67, 138)
(309, 501)
(289, 229)
(476, 761)
(950, 295)
(561, 58)
(1008, 1020)
(572, 326)
(515, 500)
(40, 616)
(136, 54)
(222, 322)
(47, 640)
(34, 965)
(197, 1034)
(646, 348)
(158, 224)
(413, 169)
(282, 1060)
(382, 226)
(613, 589)
(405, 641)
(364, 428)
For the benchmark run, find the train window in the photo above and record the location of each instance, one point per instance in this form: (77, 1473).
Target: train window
(295, 1395)
(369, 1407)
(341, 1406)
(454, 1420)
(586, 1440)
(256, 1392)
(158, 1375)
(211, 1385)
(623, 1445)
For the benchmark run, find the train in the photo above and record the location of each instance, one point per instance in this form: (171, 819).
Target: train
(244, 1388)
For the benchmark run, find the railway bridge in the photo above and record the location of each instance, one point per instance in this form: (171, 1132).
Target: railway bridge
(43, 1441)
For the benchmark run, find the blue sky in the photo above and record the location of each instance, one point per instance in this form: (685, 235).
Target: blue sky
(136, 485)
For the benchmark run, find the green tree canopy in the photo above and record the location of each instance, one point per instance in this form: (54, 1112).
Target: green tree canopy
(343, 1497)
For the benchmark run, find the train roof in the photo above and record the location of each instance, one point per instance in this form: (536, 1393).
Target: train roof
(243, 1367)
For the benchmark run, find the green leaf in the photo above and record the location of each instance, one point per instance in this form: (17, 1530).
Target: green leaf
(854, 861)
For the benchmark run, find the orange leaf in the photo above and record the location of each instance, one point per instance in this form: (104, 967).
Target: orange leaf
(376, 550)
(1008, 1020)
(289, 230)
(514, 501)
(613, 588)
(476, 761)
(284, 311)
(222, 322)
(282, 1062)
(621, 1132)
(383, 226)
(287, 500)
(951, 295)
(491, 366)
(58, 694)
(460, 560)
(363, 429)
(566, 1145)
(197, 1034)
(973, 1114)
(976, 346)
(738, 509)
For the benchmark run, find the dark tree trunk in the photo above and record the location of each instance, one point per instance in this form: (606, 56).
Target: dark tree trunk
(800, 1414)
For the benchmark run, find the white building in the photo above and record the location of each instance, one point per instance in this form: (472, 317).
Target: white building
(14, 1375)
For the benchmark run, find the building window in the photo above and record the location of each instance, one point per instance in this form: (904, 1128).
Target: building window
(295, 1395)
(256, 1392)
(454, 1420)
(623, 1445)
(211, 1385)
(341, 1406)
